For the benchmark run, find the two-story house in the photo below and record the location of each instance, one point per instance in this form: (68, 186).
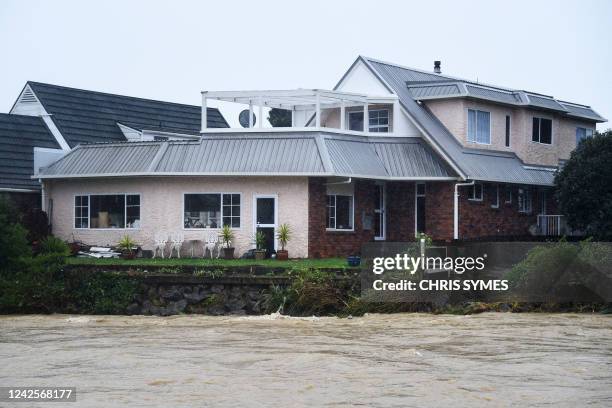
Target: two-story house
(389, 153)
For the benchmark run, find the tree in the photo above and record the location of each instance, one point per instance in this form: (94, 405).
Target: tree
(584, 187)
(280, 117)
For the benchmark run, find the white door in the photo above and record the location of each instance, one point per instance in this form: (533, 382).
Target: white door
(265, 215)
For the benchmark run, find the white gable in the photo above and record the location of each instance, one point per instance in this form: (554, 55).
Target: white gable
(360, 79)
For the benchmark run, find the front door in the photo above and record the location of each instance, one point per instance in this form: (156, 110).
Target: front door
(380, 217)
(265, 219)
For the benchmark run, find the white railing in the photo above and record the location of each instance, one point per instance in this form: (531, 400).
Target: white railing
(552, 225)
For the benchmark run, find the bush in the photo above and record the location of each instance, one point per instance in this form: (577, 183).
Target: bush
(13, 239)
(100, 293)
(54, 245)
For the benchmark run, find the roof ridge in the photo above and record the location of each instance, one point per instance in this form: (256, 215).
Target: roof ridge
(111, 94)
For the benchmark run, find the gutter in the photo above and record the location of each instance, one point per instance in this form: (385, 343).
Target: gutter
(456, 207)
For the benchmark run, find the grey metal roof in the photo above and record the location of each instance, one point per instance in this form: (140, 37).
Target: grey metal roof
(18, 137)
(89, 117)
(479, 165)
(280, 153)
(424, 85)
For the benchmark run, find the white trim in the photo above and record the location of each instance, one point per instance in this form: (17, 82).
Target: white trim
(89, 195)
(497, 197)
(416, 196)
(55, 132)
(275, 225)
(184, 193)
(456, 207)
(18, 190)
(382, 211)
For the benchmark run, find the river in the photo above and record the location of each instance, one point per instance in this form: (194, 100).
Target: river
(401, 360)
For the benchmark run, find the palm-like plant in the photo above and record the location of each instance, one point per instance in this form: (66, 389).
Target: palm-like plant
(226, 235)
(127, 244)
(283, 235)
(260, 240)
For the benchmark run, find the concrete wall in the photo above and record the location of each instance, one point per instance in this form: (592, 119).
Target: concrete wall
(161, 207)
(453, 114)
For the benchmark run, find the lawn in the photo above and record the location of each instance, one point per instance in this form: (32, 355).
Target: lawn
(337, 263)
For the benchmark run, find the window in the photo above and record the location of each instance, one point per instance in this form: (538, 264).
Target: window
(475, 193)
(479, 126)
(339, 212)
(355, 121)
(507, 130)
(107, 211)
(582, 133)
(524, 200)
(542, 131)
(211, 210)
(508, 195)
(81, 212)
(495, 203)
(420, 208)
(379, 120)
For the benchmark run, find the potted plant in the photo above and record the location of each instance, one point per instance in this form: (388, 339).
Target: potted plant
(127, 246)
(283, 235)
(227, 237)
(260, 244)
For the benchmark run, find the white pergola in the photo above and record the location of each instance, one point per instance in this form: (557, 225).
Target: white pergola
(296, 100)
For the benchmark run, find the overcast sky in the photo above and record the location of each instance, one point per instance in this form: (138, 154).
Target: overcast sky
(171, 50)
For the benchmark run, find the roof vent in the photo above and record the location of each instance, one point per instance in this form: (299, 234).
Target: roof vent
(28, 96)
(437, 67)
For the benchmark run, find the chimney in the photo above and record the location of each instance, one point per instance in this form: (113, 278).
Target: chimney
(437, 68)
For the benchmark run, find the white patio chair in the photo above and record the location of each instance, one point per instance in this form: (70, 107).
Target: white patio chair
(176, 241)
(161, 239)
(211, 243)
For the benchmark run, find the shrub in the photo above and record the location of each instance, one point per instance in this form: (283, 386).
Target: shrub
(54, 245)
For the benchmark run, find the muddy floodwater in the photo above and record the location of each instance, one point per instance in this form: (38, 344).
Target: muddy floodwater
(402, 360)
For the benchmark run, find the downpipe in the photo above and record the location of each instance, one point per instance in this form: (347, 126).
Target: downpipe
(456, 207)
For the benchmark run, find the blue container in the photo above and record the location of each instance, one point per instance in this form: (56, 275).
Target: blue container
(353, 260)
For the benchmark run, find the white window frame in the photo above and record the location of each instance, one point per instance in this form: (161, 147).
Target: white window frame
(221, 211)
(351, 215)
(472, 193)
(89, 195)
(476, 124)
(416, 196)
(388, 125)
(552, 134)
(525, 206)
(496, 196)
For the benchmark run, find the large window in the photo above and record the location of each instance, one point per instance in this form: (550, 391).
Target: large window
(212, 210)
(355, 121)
(582, 133)
(339, 212)
(479, 126)
(542, 130)
(107, 211)
(524, 200)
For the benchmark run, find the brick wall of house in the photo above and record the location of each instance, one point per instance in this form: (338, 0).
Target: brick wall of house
(477, 219)
(323, 243)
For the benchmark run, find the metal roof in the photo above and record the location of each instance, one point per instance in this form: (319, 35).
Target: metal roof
(89, 117)
(18, 137)
(477, 165)
(424, 85)
(308, 153)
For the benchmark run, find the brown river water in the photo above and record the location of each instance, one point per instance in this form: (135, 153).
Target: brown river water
(401, 360)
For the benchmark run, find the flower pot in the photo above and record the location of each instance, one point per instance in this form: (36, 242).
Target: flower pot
(260, 254)
(128, 255)
(282, 254)
(228, 253)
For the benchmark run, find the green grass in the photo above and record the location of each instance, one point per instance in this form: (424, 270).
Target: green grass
(339, 263)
